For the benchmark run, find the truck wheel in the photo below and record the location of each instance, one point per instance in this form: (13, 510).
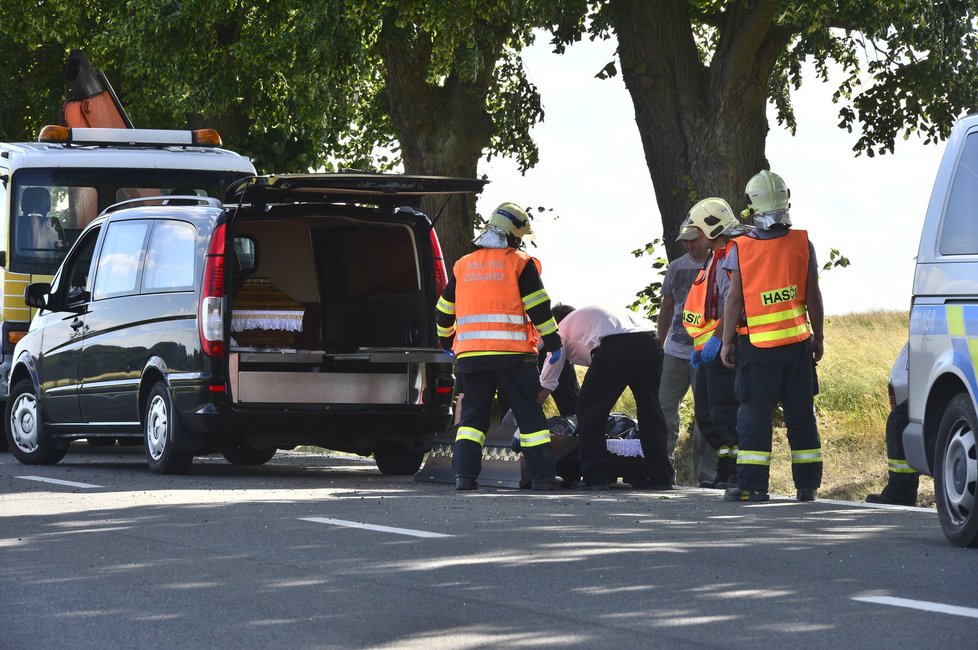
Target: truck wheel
(956, 472)
(161, 454)
(23, 428)
(398, 460)
(245, 455)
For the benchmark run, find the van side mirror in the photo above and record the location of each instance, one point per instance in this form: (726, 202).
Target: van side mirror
(36, 294)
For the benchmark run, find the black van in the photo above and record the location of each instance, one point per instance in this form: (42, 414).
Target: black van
(300, 312)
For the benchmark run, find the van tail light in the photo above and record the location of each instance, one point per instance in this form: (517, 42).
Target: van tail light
(441, 272)
(444, 389)
(212, 297)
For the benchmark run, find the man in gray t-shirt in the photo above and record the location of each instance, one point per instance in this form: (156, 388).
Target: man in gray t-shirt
(677, 375)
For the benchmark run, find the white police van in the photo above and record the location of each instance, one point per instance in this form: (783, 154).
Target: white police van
(941, 439)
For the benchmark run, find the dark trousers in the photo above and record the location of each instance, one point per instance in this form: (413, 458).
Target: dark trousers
(623, 360)
(715, 404)
(766, 377)
(519, 384)
(564, 396)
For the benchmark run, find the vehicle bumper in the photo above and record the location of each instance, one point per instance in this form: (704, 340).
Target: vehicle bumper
(206, 421)
(915, 448)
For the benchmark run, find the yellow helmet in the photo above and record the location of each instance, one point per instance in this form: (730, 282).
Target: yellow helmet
(714, 217)
(511, 219)
(507, 226)
(767, 192)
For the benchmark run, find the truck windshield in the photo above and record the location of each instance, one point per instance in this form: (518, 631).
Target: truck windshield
(50, 207)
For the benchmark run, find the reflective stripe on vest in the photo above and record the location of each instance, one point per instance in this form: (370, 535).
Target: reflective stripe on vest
(490, 312)
(774, 273)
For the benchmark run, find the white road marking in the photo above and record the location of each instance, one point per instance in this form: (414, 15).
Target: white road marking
(927, 606)
(56, 481)
(381, 529)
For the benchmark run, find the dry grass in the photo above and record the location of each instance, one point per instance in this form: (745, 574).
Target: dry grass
(851, 407)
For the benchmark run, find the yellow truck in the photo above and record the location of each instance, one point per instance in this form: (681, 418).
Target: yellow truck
(52, 188)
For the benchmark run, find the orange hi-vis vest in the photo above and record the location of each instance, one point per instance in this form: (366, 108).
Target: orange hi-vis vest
(489, 312)
(696, 315)
(774, 273)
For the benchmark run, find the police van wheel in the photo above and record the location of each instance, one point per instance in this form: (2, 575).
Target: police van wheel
(956, 472)
(24, 429)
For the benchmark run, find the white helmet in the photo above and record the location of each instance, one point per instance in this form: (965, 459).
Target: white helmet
(714, 217)
(767, 199)
(507, 219)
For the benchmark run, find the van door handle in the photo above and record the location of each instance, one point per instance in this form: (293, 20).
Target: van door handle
(75, 324)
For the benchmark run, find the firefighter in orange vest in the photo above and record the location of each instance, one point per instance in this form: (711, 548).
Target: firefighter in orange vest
(492, 316)
(772, 334)
(712, 221)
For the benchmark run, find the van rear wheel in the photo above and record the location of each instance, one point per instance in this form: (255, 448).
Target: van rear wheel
(398, 460)
(161, 453)
(23, 428)
(956, 472)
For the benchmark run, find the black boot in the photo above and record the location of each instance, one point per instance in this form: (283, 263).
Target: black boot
(900, 490)
(543, 468)
(726, 473)
(467, 463)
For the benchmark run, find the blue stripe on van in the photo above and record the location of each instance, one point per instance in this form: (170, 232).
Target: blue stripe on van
(964, 360)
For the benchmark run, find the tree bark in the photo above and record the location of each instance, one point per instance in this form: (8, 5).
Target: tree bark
(442, 128)
(703, 127)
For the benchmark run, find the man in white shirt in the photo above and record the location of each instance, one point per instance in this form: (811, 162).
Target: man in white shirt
(620, 350)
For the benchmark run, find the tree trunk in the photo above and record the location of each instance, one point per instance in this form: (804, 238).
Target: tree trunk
(442, 129)
(703, 128)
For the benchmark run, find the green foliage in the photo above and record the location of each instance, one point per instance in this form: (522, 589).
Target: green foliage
(649, 300)
(836, 260)
(295, 85)
(908, 67)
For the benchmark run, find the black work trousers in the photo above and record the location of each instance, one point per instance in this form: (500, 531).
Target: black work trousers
(715, 404)
(519, 383)
(631, 360)
(564, 396)
(766, 377)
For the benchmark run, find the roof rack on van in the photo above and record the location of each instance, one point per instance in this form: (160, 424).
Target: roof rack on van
(164, 200)
(129, 137)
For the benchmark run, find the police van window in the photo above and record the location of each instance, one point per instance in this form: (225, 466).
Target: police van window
(959, 232)
(117, 270)
(170, 258)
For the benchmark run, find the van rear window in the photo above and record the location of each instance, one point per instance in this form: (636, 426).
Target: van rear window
(170, 258)
(959, 233)
(368, 260)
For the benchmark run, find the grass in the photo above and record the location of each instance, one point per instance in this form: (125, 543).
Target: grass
(851, 409)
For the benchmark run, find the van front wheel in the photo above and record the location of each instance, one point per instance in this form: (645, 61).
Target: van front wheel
(956, 472)
(23, 428)
(158, 423)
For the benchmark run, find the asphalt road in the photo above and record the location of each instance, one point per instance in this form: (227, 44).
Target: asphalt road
(318, 552)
